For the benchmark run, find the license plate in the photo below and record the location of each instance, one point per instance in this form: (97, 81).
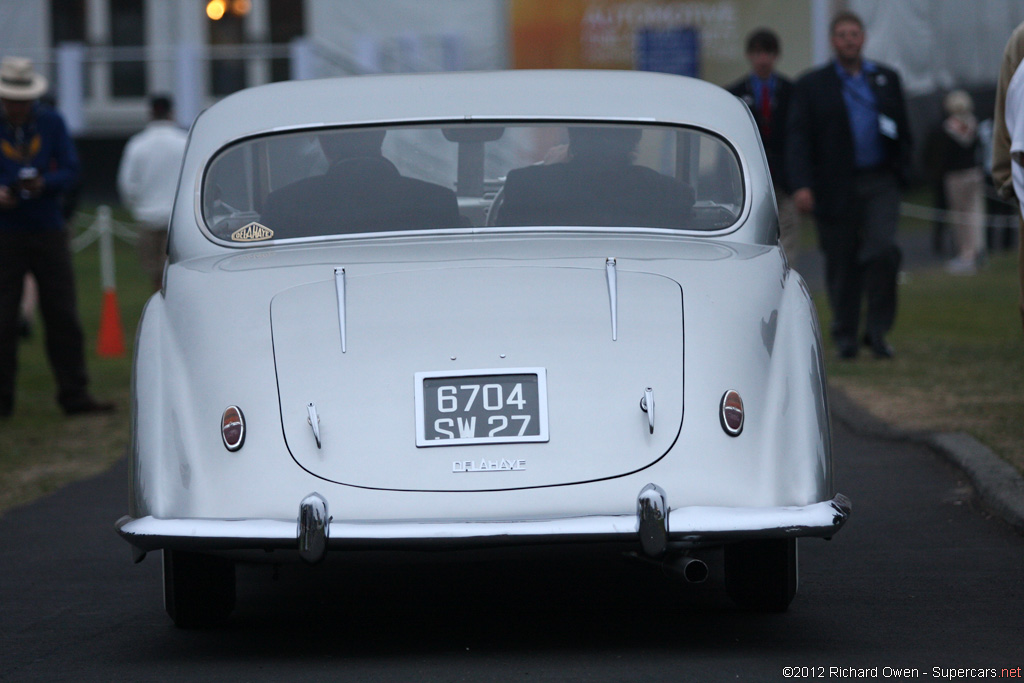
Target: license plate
(481, 407)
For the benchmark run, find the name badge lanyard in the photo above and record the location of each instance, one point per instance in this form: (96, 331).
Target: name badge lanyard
(886, 125)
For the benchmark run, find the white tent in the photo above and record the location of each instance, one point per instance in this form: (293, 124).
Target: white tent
(939, 44)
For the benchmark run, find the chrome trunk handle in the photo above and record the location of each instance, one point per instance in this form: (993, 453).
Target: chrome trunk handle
(647, 405)
(613, 294)
(314, 422)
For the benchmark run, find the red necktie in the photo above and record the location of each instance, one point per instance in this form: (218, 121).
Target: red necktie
(766, 111)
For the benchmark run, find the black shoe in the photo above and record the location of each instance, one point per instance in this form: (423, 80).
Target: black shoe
(847, 347)
(87, 404)
(879, 347)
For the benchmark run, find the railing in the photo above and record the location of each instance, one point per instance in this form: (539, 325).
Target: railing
(930, 213)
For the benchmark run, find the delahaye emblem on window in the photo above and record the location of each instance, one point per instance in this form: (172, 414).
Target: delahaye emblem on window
(254, 232)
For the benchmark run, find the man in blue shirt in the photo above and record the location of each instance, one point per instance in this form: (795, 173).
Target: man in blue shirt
(37, 163)
(847, 154)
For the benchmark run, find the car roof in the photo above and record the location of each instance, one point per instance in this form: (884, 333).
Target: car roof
(543, 94)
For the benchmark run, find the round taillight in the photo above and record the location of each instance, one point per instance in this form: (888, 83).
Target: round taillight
(232, 428)
(731, 413)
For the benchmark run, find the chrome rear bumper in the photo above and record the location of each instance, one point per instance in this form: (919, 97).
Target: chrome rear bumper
(313, 532)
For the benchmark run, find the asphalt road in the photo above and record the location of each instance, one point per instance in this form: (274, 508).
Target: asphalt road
(919, 579)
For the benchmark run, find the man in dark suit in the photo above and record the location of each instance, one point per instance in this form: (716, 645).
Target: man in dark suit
(596, 185)
(847, 153)
(361, 192)
(768, 93)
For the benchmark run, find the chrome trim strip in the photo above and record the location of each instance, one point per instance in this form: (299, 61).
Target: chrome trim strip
(613, 294)
(339, 285)
(529, 230)
(686, 524)
(819, 519)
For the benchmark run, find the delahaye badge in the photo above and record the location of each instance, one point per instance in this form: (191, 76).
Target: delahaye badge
(254, 232)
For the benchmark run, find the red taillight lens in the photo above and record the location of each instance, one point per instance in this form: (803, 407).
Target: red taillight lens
(232, 428)
(731, 413)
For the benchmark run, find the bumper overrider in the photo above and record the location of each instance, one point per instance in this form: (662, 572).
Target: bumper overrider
(654, 526)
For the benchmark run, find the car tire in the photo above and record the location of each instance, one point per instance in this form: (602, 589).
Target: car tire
(199, 590)
(762, 575)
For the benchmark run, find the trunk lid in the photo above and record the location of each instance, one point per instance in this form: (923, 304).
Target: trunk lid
(418, 342)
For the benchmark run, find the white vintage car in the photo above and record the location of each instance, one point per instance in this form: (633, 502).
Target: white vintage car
(478, 310)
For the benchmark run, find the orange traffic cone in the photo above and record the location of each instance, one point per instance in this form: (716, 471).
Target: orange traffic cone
(110, 343)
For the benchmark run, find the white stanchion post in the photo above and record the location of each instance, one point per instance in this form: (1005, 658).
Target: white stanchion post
(110, 342)
(105, 228)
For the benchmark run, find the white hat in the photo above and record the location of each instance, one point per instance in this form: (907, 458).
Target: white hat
(958, 103)
(18, 80)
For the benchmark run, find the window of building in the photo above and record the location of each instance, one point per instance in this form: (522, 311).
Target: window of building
(287, 23)
(127, 29)
(227, 31)
(67, 25)
(67, 21)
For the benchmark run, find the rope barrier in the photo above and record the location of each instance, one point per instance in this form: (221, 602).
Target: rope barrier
(101, 220)
(930, 213)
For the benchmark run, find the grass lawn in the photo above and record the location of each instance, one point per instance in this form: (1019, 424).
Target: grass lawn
(959, 362)
(40, 448)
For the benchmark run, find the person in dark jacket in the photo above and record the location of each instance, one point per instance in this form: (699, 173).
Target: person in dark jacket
(38, 163)
(361, 191)
(768, 93)
(848, 150)
(597, 184)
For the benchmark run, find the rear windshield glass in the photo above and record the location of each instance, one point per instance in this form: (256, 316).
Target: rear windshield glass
(366, 180)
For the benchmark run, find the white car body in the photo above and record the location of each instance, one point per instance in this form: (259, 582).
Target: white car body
(325, 343)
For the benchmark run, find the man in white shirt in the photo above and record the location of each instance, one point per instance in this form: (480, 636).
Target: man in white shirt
(1008, 135)
(147, 180)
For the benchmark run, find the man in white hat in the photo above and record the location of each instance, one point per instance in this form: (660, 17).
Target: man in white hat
(37, 163)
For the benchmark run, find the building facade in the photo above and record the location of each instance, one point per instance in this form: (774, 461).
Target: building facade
(104, 57)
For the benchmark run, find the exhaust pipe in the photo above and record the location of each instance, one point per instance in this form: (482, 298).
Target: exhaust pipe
(690, 568)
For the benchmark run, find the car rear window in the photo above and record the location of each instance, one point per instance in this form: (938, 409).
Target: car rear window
(329, 182)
